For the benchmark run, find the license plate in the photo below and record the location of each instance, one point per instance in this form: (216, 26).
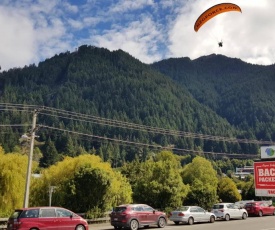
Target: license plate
(115, 218)
(247, 208)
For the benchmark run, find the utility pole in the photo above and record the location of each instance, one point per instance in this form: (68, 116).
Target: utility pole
(51, 190)
(29, 169)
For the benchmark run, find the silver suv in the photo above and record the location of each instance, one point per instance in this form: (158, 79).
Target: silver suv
(227, 211)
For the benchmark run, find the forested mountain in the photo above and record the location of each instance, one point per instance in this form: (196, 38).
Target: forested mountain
(241, 93)
(114, 85)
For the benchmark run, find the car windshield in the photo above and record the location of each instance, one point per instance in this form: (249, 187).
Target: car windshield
(184, 208)
(16, 214)
(218, 206)
(249, 204)
(29, 213)
(119, 209)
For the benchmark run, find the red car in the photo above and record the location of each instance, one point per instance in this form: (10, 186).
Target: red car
(134, 216)
(46, 218)
(259, 208)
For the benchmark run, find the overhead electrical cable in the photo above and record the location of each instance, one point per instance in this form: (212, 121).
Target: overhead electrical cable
(241, 156)
(47, 111)
(78, 117)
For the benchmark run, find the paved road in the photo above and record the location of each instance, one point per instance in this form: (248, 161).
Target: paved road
(251, 223)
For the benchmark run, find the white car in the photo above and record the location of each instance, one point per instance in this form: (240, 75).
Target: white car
(227, 211)
(191, 214)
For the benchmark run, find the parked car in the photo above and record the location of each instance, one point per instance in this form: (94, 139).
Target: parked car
(242, 203)
(227, 211)
(134, 216)
(46, 218)
(259, 208)
(191, 214)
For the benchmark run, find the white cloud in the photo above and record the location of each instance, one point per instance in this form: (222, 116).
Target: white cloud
(91, 21)
(76, 24)
(247, 35)
(129, 5)
(32, 32)
(139, 39)
(46, 7)
(71, 8)
(16, 38)
(150, 30)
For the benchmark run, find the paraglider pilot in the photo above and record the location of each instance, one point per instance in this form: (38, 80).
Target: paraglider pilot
(220, 44)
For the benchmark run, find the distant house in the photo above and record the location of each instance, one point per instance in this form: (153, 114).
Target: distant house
(36, 175)
(244, 172)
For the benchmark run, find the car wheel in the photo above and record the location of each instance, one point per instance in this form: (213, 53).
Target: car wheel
(190, 221)
(161, 222)
(244, 216)
(260, 213)
(177, 222)
(212, 219)
(80, 227)
(227, 217)
(134, 225)
(34, 229)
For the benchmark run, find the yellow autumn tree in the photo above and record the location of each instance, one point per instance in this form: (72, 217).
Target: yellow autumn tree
(83, 184)
(12, 181)
(228, 191)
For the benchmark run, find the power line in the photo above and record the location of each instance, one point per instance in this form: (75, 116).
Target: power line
(14, 125)
(133, 126)
(78, 117)
(127, 125)
(158, 147)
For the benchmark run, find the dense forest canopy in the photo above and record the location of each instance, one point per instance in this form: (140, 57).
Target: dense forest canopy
(239, 92)
(213, 104)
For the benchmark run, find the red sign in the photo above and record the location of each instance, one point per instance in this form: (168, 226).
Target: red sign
(264, 175)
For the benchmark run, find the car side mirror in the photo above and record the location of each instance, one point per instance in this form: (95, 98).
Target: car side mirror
(154, 211)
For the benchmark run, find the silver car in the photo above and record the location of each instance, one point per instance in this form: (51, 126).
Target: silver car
(191, 214)
(227, 211)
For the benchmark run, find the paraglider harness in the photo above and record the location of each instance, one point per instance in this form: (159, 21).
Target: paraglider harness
(220, 44)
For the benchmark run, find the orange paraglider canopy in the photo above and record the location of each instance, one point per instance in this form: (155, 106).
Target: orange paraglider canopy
(214, 11)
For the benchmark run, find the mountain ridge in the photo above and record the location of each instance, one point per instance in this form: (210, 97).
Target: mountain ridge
(227, 83)
(115, 85)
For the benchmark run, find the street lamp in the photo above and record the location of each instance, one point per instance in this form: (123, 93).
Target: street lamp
(29, 169)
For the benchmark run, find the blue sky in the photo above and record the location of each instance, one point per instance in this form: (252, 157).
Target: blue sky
(149, 30)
